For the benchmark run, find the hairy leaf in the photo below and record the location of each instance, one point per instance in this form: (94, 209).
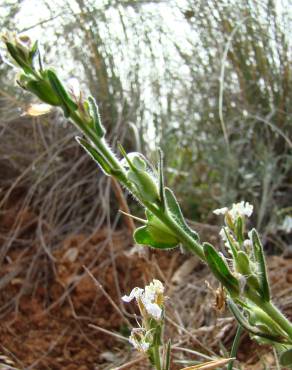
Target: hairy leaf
(220, 269)
(261, 263)
(176, 212)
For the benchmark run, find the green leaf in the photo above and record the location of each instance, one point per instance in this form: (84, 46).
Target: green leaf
(125, 155)
(230, 242)
(261, 264)
(97, 157)
(19, 59)
(156, 223)
(145, 183)
(161, 180)
(176, 212)
(286, 358)
(33, 53)
(220, 269)
(157, 334)
(94, 113)
(239, 230)
(258, 318)
(146, 235)
(166, 356)
(242, 263)
(138, 161)
(66, 102)
(143, 180)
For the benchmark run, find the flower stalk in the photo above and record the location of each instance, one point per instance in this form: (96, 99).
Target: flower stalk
(148, 338)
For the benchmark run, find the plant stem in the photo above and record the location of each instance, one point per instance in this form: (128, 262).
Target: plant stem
(277, 316)
(101, 146)
(235, 346)
(270, 309)
(156, 355)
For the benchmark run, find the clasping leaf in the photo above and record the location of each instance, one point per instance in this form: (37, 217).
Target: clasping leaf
(220, 269)
(155, 234)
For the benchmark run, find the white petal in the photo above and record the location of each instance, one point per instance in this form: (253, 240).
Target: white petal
(137, 339)
(135, 293)
(153, 310)
(35, 110)
(223, 234)
(248, 209)
(220, 211)
(144, 346)
(158, 286)
(153, 289)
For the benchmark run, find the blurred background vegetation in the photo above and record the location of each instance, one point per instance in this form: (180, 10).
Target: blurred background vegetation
(207, 81)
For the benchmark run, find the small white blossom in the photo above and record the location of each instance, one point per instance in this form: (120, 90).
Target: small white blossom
(153, 289)
(224, 238)
(138, 339)
(241, 209)
(247, 244)
(151, 298)
(222, 234)
(220, 211)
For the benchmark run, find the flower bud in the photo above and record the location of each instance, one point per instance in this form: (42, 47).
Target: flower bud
(138, 174)
(242, 263)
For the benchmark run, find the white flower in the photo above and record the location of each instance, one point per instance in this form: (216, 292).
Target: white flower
(220, 211)
(153, 289)
(138, 339)
(151, 298)
(241, 209)
(222, 234)
(224, 237)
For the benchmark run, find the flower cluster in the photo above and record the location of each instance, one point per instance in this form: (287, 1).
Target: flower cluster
(151, 304)
(150, 300)
(241, 209)
(235, 222)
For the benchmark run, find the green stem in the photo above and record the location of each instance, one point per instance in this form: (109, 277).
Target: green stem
(102, 147)
(272, 311)
(277, 316)
(235, 346)
(156, 354)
